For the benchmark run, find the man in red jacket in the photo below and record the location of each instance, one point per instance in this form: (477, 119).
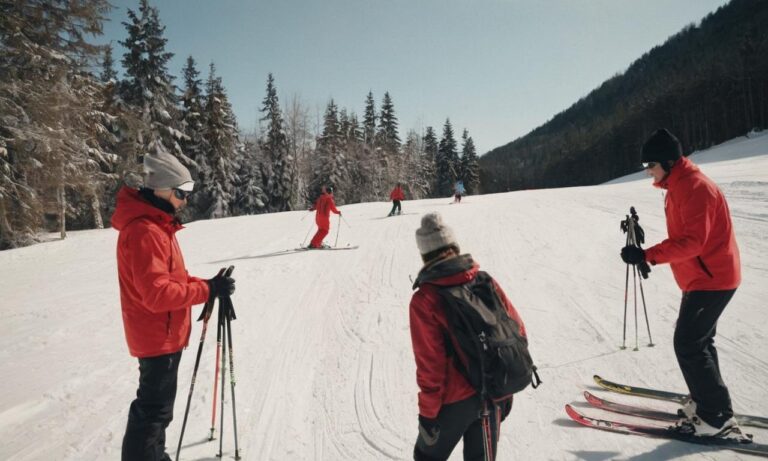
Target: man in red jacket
(702, 252)
(324, 205)
(396, 196)
(156, 294)
(449, 407)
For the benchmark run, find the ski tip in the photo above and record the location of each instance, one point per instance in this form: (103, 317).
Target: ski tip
(597, 378)
(592, 398)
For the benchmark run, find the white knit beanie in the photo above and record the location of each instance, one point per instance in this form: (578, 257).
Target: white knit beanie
(433, 234)
(164, 171)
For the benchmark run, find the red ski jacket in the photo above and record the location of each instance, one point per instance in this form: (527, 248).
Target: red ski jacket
(440, 382)
(397, 194)
(324, 205)
(156, 292)
(701, 247)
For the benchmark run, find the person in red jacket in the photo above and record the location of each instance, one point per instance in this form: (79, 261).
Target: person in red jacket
(323, 205)
(702, 252)
(396, 196)
(156, 294)
(449, 407)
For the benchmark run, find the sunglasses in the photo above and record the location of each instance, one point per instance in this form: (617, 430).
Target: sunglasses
(181, 194)
(649, 165)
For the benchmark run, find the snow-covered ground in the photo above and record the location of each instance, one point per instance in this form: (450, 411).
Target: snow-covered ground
(322, 349)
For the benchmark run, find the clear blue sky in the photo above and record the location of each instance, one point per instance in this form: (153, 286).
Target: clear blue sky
(498, 68)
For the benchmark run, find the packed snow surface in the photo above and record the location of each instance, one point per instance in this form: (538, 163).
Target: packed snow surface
(322, 349)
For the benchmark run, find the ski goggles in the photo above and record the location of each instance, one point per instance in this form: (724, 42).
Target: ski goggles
(181, 194)
(649, 165)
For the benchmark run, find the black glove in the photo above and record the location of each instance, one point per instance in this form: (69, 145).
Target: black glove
(429, 430)
(505, 408)
(220, 286)
(632, 254)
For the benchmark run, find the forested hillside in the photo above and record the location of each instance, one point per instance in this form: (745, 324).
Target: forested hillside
(707, 83)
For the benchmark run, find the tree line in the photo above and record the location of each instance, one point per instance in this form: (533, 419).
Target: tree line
(707, 84)
(73, 130)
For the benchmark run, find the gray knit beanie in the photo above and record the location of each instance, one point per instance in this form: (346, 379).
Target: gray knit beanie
(434, 234)
(164, 171)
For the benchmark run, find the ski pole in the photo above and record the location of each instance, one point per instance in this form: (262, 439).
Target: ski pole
(306, 214)
(338, 228)
(345, 221)
(222, 314)
(204, 316)
(211, 436)
(626, 295)
(230, 315)
(311, 225)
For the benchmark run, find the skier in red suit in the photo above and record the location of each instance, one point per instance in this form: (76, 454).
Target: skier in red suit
(324, 205)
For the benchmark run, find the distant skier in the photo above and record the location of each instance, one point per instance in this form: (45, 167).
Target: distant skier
(324, 205)
(458, 191)
(449, 407)
(396, 196)
(156, 294)
(702, 252)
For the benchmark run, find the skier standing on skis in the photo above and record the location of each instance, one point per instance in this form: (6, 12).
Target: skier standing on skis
(324, 205)
(396, 196)
(156, 294)
(449, 407)
(702, 252)
(458, 191)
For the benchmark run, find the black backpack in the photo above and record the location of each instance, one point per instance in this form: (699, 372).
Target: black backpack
(498, 363)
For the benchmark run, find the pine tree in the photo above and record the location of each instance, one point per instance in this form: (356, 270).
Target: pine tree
(193, 124)
(108, 72)
(369, 121)
(220, 135)
(387, 135)
(470, 167)
(447, 161)
(148, 85)
(249, 196)
(429, 160)
(281, 185)
(329, 163)
(46, 99)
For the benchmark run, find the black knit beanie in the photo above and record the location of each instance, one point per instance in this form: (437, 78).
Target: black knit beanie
(660, 147)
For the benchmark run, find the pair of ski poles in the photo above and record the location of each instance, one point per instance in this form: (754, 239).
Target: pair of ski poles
(312, 225)
(224, 334)
(635, 237)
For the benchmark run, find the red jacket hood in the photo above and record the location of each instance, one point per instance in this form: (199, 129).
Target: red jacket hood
(131, 206)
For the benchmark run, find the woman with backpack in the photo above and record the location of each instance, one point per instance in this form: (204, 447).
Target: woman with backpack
(450, 406)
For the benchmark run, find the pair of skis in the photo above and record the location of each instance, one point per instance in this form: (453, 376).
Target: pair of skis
(738, 442)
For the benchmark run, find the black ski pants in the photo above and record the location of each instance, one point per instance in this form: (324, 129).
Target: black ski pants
(152, 411)
(697, 356)
(457, 421)
(395, 207)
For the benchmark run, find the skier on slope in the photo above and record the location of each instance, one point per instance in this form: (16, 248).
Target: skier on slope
(458, 191)
(449, 407)
(156, 294)
(702, 252)
(324, 205)
(396, 196)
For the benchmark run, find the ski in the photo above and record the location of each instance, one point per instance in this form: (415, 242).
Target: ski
(641, 392)
(743, 444)
(745, 420)
(348, 247)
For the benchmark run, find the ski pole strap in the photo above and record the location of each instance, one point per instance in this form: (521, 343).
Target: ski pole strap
(535, 379)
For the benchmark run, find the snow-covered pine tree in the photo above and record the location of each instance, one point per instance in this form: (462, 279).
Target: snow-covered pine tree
(148, 85)
(108, 72)
(300, 145)
(369, 121)
(249, 196)
(281, 182)
(416, 179)
(429, 160)
(388, 141)
(220, 135)
(194, 143)
(43, 144)
(447, 161)
(470, 168)
(329, 162)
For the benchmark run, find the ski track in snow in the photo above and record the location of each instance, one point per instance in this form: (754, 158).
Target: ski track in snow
(322, 352)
